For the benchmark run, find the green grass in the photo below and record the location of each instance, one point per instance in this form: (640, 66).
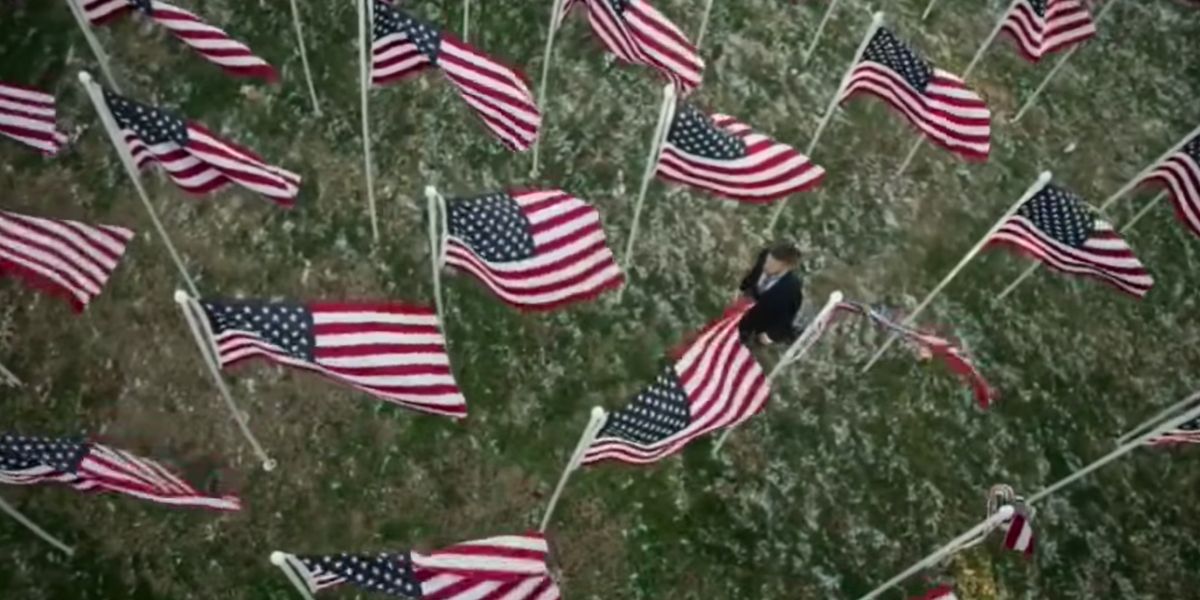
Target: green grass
(842, 482)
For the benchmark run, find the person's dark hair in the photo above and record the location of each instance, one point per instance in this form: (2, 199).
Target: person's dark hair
(785, 252)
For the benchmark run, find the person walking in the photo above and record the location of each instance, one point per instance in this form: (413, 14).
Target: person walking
(777, 293)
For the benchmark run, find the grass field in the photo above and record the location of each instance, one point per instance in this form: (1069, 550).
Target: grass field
(843, 481)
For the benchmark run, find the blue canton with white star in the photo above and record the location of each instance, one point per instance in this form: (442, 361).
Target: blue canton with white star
(656, 413)
(142, 6)
(886, 49)
(385, 572)
(694, 133)
(152, 125)
(1192, 149)
(19, 452)
(288, 326)
(390, 20)
(1060, 215)
(493, 226)
(1039, 6)
(619, 5)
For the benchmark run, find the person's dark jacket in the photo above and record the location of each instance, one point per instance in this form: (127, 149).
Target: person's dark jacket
(774, 309)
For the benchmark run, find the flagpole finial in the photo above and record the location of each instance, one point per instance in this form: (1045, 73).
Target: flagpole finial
(877, 18)
(1005, 512)
(85, 77)
(1044, 178)
(181, 296)
(269, 465)
(277, 558)
(430, 192)
(836, 296)
(597, 412)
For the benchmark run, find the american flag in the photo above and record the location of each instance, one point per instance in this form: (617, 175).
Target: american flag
(637, 33)
(937, 102)
(69, 259)
(1040, 27)
(1180, 173)
(91, 467)
(944, 592)
(1187, 433)
(1057, 228)
(391, 351)
(193, 157)
(509, 567)
(715, 384)
(212, 43)
(536, 250)
(404, 45)
(726, 157)
(948, 351)
(1018, 535)
(28, 116)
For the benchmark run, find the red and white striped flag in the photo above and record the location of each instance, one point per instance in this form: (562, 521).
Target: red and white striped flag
(717, 383)
(1018, 535)
(394, 352)
(69, 259)
(938, 103)
(193, 157)
(28, 116)
(724, 156)
(944, 592)
(91, 467)
(212, 43)
(1180, 173)
(403, 45)
(637, 33)
(536, 250)
(1040, 27)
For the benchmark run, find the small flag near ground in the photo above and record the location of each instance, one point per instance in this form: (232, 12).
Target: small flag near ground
(404, 45)
(29, 116)
(944, 592)
(1018, 535)
(91, 467)
(725, 157)
(717, 383)
(1057, 228)
(937, 102)
(536, 250)
(638, 34)
(1187, 433)
(510, 567)
(1040, 27)
(68, 259)
(1180, 173)
(211, 42)
(394, 352)
(193, 157)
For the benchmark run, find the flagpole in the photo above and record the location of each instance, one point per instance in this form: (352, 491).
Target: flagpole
(876, 23)
(433, 202)
(7, 377)
(704, 22)
(207, 346)
(466, 20)
(987, 43)
(541, 98)
(110, 125)
(804, 342)
(1162, 414)
(22, 519)
(812, 46)
(1141, 213)
(1041, 182)
(312, 89)
(595, 423)
(928, 9)
(665, 114)
(1059, 65)
(94, 44)
(279, 559)
(366, 20)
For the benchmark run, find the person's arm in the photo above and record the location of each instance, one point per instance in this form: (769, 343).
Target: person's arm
(750, 281)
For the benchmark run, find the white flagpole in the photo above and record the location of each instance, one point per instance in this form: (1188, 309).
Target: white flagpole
(595, 423)
(876, 23)
(804, 342)
(279, 559)
(366, 20)
(7, 377)
(312, 88)
(1059, 65)
(94, 44)
(704, 22)
(1143, 212)
(928, 9)
(204, 341)
(114, 135)
(555, 17)
(812, 46)
(1162, 414)
(665, 114)
(1041, 182)
(22, 519)
(434, 202)
(987, 43)
(466, 20)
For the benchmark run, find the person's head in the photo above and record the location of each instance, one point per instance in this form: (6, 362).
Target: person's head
(781, 258)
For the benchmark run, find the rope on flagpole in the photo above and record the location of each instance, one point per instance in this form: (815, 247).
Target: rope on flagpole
(366, 20)
(547, 55)
(434, 203)
(1041, 182)
(704, 22)
(312, 88)
(8, 378)
(812, 46)
(22, 519)
(203, 336)
(110, 125)
(94, 44)
(280, 559)
(928, 9)
(665, 114)
(804, 342)
(595, 423)
(876, 23)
